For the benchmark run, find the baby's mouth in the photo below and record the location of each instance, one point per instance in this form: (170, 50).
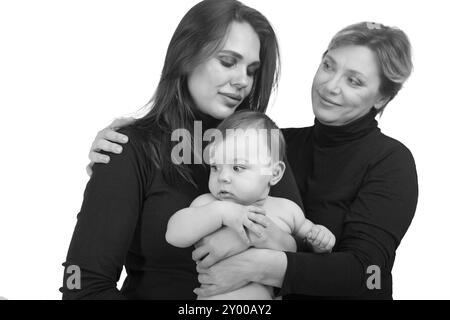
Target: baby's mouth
(225, 194)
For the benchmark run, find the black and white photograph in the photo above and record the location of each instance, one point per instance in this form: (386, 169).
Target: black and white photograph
(224, 150)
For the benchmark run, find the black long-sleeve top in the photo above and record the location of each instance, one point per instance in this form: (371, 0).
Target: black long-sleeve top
(123, 220)
(362, 185)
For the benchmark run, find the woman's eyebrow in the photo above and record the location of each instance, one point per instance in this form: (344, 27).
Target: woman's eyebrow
(355, 72)
(238, 56)
(327, 56)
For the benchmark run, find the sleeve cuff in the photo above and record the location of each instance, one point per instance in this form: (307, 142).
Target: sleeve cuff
(286, 287)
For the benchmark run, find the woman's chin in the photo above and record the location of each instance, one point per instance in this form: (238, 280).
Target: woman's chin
(221, 112)
(327, 117)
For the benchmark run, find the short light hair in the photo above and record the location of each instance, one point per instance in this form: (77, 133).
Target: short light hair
(391, 47)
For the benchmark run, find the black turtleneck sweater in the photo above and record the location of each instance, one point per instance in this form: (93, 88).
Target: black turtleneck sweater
(362, 185)
(123, 221)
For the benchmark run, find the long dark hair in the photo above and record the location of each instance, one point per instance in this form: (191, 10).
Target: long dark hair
(197, 37)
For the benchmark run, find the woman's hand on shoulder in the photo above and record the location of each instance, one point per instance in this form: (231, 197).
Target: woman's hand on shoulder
(108, 140)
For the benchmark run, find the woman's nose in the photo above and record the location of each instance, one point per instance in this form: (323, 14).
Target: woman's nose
(333, 85)
(241, 78)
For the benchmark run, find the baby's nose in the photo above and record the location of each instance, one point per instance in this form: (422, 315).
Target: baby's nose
(225, 176)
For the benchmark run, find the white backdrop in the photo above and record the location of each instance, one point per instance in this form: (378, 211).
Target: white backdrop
(68, 68)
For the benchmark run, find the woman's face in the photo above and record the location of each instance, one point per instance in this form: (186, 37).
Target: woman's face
(346, 85)
(220, 84)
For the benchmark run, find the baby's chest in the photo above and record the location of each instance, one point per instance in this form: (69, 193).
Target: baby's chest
(279, 217)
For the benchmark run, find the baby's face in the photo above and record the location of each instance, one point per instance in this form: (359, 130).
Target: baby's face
(241, 168)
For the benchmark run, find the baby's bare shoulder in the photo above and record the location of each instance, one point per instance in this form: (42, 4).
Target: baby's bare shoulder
(281, 206)
(203, 200)
(282, 203)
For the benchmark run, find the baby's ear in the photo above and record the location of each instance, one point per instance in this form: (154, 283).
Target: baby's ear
(278, 169)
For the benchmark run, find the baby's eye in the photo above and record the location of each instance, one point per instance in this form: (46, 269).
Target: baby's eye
(238, 168)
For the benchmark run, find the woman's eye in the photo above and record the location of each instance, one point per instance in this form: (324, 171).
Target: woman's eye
(228, 63)
(252, 71)
(326, 65)
(354, 82)
(213, 168)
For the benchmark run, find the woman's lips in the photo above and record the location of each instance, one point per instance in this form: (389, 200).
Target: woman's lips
(232, 96)
(231, 99)
(328, 102)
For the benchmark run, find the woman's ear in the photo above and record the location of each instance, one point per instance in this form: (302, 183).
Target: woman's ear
(381, 102)
(278, 169)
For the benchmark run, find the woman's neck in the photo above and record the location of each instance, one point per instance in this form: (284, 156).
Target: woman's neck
(327, 135)
(207, 120)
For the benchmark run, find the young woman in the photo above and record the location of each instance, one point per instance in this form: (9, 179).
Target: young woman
(223, 56)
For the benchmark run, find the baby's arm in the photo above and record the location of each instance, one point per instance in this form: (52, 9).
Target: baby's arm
(189, 225)
(319, 237)
(205, 215)
(301, 226)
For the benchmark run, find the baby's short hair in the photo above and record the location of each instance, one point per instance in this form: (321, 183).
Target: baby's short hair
(247, 119)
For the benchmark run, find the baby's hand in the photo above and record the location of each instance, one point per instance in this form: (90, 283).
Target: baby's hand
(321, 239)
(238, 219)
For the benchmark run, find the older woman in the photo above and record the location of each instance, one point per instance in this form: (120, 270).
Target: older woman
(354, 180)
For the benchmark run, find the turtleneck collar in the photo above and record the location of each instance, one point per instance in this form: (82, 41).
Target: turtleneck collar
(327, 136)
(208, 122)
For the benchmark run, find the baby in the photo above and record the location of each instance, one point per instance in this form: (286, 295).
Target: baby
(245, 163)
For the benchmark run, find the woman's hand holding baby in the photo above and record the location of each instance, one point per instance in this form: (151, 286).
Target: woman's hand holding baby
(210, 249)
